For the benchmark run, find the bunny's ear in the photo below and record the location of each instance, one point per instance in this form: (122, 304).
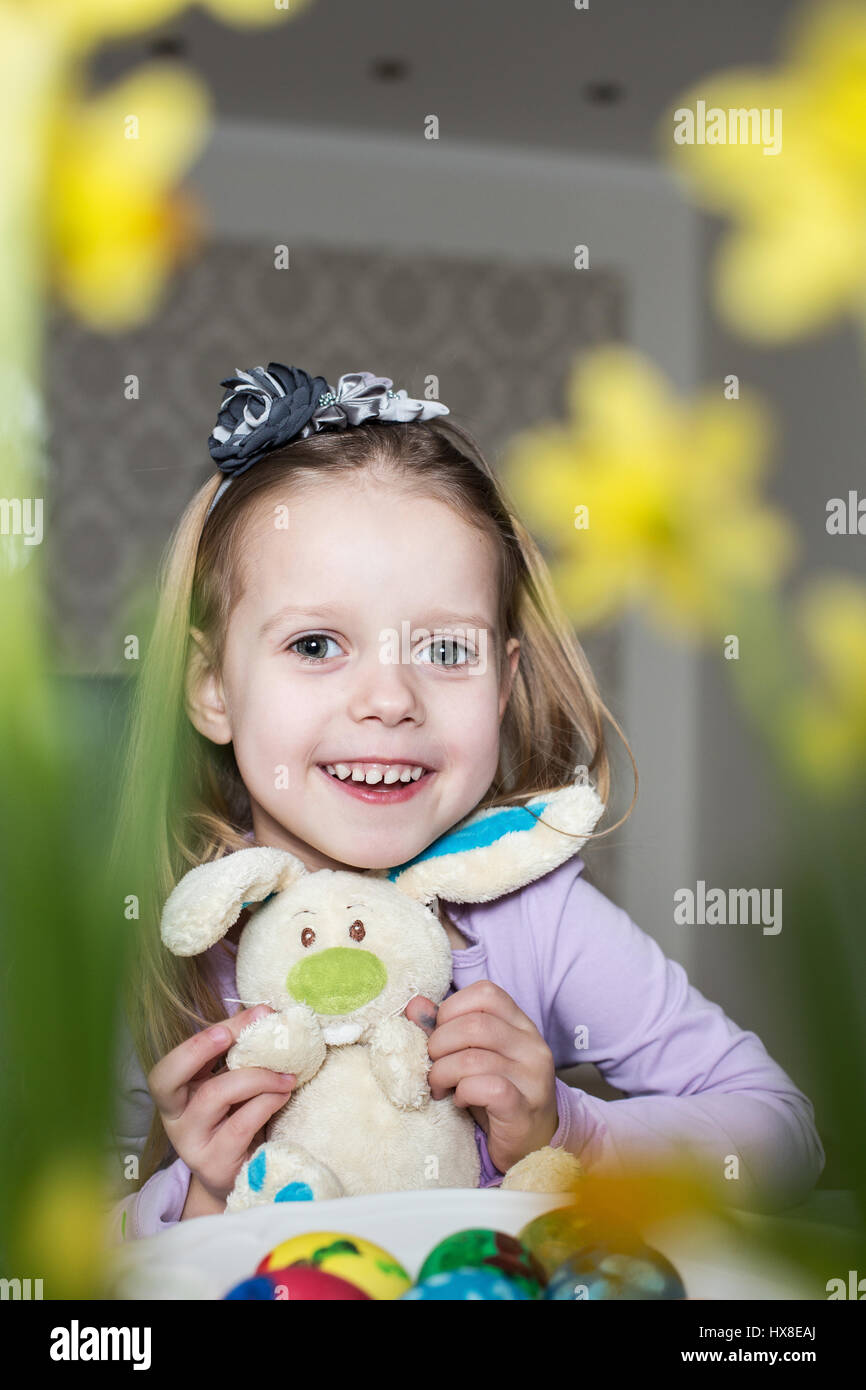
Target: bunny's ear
(208, 900)
(493, 852)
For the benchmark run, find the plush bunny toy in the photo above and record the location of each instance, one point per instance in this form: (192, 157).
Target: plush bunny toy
(339, 954)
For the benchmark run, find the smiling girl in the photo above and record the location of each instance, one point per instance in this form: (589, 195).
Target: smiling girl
(357, 646)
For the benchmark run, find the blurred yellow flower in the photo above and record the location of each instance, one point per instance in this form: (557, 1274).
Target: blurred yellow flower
(824, 723)
(644, 499)
(112, 223)
(85, 22)
(115, 227)
(795, 258)
(60, 1220)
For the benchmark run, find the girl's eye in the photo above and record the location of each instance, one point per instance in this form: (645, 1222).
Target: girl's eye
(315, 640)
(444, 652)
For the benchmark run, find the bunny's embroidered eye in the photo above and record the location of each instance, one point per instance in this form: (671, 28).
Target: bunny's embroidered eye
(308, 936)
(356, 931)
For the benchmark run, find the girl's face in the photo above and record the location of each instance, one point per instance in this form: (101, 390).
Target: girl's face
(331, 658)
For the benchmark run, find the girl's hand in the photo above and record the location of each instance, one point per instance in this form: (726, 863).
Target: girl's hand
(215, 1122)
(498, 1063)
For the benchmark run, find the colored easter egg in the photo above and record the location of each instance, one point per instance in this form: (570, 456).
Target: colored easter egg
(555, 1235)
(479, 1247)
(352, 1258)
(458, 1285)
(602, 1272)
(259, 1287)
(308, 1283)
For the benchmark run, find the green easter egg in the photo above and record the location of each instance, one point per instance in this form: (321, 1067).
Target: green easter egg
(554, 1236)
(482, 1248)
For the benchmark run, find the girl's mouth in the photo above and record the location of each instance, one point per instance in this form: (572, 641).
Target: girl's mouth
(381, 792)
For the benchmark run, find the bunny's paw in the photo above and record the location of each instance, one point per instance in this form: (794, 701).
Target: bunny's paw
(276, 1173)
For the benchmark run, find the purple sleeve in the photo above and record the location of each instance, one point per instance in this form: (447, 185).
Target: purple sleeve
(693, 1079)
(490, 1174)
(156, 1206)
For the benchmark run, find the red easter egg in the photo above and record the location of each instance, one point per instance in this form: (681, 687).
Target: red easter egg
(307, 1283)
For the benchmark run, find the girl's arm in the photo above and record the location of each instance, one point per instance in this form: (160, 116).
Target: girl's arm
(692, 1077)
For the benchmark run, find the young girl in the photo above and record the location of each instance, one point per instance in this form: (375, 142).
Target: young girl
(341, 519)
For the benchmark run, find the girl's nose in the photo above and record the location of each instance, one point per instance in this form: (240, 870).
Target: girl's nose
(385, 687)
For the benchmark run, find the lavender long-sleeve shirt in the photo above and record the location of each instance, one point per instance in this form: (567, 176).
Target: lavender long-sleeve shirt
(599, 990)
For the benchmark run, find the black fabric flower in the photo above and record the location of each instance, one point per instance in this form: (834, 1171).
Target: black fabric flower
(262, 411)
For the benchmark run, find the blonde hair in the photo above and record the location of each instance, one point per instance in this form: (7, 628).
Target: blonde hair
(183, 801)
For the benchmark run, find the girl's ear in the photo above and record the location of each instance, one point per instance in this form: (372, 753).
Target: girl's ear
(493, 852)
(205, 703)
(208, 900)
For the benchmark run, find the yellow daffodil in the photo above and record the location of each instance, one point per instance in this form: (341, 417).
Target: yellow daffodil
(783, 153)
(635, 1196)
(84, 23)
(824, 725)
(59, 1227)
(115, 227)
(644, 499)
(111, 225)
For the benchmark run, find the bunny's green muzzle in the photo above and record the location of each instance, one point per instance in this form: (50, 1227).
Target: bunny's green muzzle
(337, 981)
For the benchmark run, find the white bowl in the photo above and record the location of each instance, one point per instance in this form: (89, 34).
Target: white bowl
(205, 1257)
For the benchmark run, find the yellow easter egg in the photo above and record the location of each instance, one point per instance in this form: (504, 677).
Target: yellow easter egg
(362, 1263)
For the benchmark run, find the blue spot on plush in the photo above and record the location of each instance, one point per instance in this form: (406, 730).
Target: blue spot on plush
(256, 1172)
(295, 1192)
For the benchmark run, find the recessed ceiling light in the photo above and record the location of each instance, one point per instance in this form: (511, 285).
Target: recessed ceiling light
(604, 93)
(389, 69)
(168, 46)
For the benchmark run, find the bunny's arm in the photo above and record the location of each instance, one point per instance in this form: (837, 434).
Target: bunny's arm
(289, 1040)
(399, 1061)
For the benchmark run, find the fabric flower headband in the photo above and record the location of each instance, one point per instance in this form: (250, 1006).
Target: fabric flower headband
(265, 409)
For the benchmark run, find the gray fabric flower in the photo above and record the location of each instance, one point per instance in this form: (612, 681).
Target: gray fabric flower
(265, 409)
(362, 396)
(262, 411)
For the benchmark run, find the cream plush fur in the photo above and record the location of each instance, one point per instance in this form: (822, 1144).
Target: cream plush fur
(361, 1118)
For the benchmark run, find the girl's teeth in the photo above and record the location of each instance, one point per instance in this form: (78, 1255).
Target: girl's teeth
(373, 775)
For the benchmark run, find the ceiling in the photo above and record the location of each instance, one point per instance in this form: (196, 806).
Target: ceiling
(542, 75)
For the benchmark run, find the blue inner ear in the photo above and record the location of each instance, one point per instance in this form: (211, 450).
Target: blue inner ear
(264, 900)
(477, 834)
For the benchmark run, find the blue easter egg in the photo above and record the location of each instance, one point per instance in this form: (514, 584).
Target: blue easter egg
(458, 1285)
(258, 1287)
(597, 1272)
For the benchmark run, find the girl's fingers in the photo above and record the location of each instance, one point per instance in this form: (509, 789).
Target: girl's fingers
(483, 996)
(169, 1080)
(422, 1011)
(235, 1135)
(474, 1061)
(214, 1099)
(479, 1030)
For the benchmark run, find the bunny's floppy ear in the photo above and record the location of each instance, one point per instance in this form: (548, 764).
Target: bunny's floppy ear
(503, 848)
(208, 900)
